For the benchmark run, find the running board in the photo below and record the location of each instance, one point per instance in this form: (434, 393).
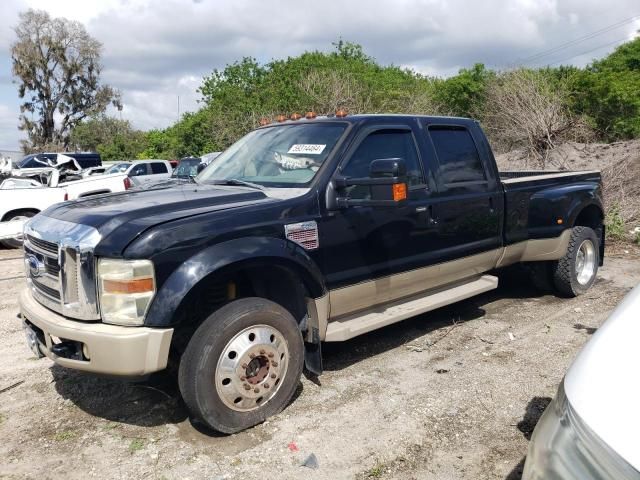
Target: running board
(377, 317)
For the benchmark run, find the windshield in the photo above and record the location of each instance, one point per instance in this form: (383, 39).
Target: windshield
(279, 156)
(187, 167)
(117, 168)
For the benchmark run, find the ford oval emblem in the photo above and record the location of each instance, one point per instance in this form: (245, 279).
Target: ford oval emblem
(35, 266)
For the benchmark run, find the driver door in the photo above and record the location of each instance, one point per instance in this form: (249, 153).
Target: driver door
(365, 247)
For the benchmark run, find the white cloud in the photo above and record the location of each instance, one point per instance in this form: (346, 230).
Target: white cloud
(157, 51)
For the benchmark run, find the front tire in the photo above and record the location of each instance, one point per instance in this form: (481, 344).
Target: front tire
(574, 273)
(242, 365)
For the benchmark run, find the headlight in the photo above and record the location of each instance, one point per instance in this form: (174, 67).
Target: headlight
(564, 447)
(126, 288)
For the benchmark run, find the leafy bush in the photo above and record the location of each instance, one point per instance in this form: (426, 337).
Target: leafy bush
(614, 222)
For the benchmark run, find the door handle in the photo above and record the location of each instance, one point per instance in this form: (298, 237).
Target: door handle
(430, 219)
(491, 209)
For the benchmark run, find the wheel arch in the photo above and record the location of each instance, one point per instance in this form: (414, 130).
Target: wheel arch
(591, 215)
(19, 210)
(278, 267)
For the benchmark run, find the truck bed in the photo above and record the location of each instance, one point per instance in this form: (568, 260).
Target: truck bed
(538, 203)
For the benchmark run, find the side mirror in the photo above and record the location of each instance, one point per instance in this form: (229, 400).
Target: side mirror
(200, 167)
(388, 168)
(387, 182)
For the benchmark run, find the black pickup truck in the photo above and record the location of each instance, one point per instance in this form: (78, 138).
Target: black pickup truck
(304, 231)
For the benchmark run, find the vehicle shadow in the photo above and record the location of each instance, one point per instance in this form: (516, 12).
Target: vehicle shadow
(533, 412)
(153, 402)
(513, 284)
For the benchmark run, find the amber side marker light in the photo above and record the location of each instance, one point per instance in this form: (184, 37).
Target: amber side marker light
(341, 113)
(399, 192)
(138, 285)
(560, 221)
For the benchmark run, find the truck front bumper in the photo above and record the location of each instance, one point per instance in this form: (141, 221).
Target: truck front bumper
(101, 348)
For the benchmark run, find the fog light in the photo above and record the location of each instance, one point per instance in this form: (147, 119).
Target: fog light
(85, 351)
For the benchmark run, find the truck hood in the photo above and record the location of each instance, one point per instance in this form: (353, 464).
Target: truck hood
(140, 209)
(602, 384)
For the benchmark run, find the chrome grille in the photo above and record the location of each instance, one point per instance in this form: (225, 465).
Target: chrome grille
(42, 269)
(60, 266)
(51, 292)
(51, 266)
(43, 245)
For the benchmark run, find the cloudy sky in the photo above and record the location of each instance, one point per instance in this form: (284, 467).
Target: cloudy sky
(157, 52)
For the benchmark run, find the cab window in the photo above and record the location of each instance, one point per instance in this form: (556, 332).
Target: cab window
(388, 143)
(140, 169)
(457, 155)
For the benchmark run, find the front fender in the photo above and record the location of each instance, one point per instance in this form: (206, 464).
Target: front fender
(216, 257)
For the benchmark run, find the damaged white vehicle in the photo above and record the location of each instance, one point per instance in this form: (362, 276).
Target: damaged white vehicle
(27, 191)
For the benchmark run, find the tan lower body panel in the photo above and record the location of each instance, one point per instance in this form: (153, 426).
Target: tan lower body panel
(345, 302)
(536, 250)
(113, 350)
(362, 322)
(363, 295)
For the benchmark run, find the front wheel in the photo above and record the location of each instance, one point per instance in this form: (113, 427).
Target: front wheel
(242, 365)
(574, 273)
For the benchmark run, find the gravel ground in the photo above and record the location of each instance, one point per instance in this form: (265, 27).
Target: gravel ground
(453, 394)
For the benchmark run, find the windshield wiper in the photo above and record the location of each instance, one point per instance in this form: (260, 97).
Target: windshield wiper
(237, 181)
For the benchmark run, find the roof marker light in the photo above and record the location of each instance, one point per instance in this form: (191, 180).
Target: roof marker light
(281, 118)
(310, 115)
(295, 116)
(264, 121)
(341, 113)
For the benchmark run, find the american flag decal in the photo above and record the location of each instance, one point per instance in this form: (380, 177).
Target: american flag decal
(304, 234)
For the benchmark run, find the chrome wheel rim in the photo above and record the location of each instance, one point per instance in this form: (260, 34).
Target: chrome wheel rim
(251, 368)
(585, 262)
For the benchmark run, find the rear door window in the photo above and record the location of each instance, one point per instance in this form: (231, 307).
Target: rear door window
(158, 167)
(457, 155)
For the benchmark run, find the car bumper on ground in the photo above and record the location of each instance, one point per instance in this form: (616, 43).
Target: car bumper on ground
(92, 346)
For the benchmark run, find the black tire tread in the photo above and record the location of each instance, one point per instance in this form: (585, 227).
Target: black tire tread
(563, 272)
(213, 330)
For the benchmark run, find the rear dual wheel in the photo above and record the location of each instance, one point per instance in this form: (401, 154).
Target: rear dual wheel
(242, 365)
(575, 272)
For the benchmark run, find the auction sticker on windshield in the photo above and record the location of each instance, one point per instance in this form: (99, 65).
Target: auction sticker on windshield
(309, 148)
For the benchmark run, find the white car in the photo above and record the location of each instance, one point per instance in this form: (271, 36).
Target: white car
(142, 172)
(590, 430)
(23, 198)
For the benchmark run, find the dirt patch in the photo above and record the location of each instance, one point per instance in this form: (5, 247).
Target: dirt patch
(451, 394)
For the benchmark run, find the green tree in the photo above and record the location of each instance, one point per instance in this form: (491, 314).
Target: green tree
(464, 95)
(608, 91)
(57, 64)
(114, 139)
